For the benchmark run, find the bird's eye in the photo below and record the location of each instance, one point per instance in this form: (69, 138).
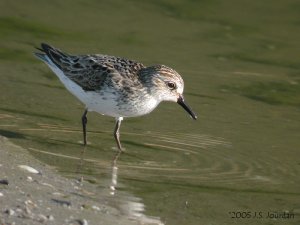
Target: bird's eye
(171, 85)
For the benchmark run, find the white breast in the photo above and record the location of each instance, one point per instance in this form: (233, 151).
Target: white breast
(104, 102)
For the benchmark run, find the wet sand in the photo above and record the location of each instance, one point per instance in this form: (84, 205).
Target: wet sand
(42, 196)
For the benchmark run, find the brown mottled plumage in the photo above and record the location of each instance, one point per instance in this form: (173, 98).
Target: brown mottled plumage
(114, 86)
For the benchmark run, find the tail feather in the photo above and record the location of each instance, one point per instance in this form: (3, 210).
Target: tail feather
(39, 49)
(41, 56)
(55, 55)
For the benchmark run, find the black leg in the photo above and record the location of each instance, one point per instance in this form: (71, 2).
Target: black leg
(84, 122)
(117, 133)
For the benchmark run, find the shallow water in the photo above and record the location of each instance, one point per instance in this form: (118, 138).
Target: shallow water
(240, 63)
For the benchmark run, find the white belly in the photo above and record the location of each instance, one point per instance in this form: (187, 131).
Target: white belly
(104, 102)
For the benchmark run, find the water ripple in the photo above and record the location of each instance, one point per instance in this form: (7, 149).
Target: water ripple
(179, 156)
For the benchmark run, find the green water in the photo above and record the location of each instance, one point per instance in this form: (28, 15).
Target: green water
(240, 63)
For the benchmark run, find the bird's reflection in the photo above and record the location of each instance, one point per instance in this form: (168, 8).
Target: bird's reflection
(80, 163)
(114, 174)
(127, 204)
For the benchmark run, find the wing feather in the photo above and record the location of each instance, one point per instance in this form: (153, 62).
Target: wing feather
(90, 71)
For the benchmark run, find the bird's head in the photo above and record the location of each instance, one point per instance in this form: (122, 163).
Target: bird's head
(168, 85)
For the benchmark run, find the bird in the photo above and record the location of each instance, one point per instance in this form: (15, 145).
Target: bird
(114, 86)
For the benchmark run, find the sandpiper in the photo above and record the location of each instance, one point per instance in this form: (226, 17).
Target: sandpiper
(114, 86)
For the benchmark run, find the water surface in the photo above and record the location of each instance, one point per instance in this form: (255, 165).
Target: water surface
(240, 63)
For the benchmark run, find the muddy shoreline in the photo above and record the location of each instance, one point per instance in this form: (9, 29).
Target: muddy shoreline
(34, 193)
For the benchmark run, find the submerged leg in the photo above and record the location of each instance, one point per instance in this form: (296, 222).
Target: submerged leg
(84, 122)
(117, 132)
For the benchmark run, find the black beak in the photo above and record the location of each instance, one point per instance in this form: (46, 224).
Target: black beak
(181, 102)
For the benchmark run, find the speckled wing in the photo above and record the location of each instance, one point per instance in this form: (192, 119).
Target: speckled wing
(91, 71)
(87, 72)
